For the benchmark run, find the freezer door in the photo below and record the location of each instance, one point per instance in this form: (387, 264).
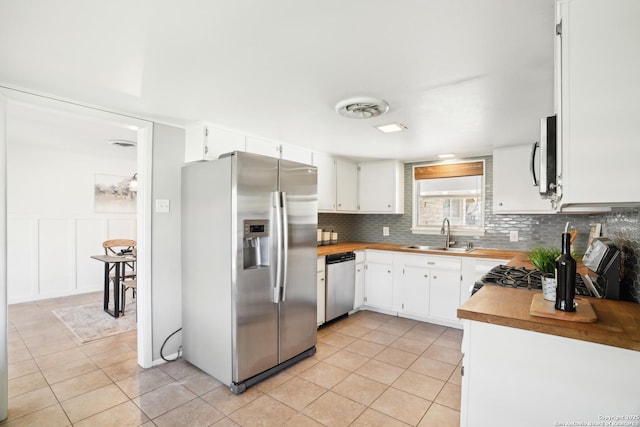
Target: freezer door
(255, 315)
(298, 310)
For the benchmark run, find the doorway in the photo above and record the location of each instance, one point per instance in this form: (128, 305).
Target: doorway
(140, 131)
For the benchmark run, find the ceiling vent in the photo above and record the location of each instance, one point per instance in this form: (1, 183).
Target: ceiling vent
(362, 108)
(122, 143)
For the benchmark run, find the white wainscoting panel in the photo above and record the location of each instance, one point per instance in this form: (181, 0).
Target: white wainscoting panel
(51, 257)
(122, 228)
(90, 233)
(56, 263)
(22, 258)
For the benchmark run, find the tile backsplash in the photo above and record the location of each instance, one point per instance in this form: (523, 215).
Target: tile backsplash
(622, 225)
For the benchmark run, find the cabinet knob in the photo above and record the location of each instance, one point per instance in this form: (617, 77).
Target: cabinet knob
(339, 204)
(435, 277)
(500, 204)
(426, 275)
(389, 271)
(206, 149)
(388, 206)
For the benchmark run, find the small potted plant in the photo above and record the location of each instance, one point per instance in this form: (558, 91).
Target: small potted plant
(544, 259)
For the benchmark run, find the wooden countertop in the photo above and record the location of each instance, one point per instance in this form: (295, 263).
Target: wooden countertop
(618, 322)
(476, 253)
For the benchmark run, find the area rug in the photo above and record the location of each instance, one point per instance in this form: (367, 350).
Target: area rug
(90, 322)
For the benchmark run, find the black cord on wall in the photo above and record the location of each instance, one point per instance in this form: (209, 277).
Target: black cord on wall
(163, 344)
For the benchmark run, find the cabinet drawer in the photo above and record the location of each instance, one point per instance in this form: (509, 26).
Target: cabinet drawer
(430, 261)
(359, 257)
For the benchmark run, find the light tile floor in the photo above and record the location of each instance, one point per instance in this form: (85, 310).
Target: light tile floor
(370, 370)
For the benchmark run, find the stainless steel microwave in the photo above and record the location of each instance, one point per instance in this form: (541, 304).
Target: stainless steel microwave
(543, 164)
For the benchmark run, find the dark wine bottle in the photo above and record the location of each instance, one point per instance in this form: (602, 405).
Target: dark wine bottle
(565, 277)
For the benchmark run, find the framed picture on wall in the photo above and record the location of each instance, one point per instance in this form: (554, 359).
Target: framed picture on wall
(114, 194)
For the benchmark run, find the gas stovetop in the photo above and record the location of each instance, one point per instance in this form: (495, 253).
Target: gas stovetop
(521, 278)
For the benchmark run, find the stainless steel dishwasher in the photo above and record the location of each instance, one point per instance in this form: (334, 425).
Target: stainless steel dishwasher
(341, 284)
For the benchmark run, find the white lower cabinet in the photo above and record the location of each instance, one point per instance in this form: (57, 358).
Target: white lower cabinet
(321, 289)
(428, 286)
(359, 293)
(378, 290)
(445, 293)
(414, 290)
(553, 370)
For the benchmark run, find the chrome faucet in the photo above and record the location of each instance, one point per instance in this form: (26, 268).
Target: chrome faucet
(447, 242)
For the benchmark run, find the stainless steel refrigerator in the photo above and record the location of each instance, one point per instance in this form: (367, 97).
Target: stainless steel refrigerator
(248, 266)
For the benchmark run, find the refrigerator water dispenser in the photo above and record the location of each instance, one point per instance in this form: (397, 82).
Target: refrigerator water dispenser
(256, 244)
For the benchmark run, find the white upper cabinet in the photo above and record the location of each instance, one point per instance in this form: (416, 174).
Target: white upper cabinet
(597, 96)
(346, 186)
(513, 190)
(263, 146)
(207, 142)
(295, 154)
(381, 187)
(326, 181)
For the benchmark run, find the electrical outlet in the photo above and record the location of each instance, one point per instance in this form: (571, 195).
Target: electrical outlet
(385, 231)
(162, 205)
(513, 236)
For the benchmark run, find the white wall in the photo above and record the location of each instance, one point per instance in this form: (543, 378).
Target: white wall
(166, 282)
(52, 226)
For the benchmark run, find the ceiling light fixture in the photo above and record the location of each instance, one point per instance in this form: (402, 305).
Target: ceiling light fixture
(446, 156)
(122, 143)
(391, 127)
(362, 108)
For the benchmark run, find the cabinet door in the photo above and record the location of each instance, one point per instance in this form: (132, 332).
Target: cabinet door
(346, 185)
(262, 146)
(513, 190)
(378, 285)
(415, 290)
(206, 142)
(326, 181)
(598, 101)
(321, 289)
(295, 154)
(359, 295)
(381, 187)
(445, 293)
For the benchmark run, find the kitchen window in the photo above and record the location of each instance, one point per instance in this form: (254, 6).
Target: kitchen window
(452, 190)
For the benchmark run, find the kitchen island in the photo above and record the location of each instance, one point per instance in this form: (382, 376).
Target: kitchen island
(527, 370)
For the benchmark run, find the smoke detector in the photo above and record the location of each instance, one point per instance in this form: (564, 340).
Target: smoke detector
(122, 143)
(362, 108)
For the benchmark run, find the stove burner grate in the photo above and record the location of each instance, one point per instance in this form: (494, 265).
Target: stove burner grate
(521, 278)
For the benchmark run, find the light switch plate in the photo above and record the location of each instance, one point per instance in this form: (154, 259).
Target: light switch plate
(513, 236)
(162, 205)
(385, 231)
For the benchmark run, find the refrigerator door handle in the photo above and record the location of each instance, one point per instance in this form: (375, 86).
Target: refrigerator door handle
(275, 297)
(285, 242)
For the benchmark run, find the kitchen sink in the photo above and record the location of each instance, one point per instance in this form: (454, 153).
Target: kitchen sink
(439, 249)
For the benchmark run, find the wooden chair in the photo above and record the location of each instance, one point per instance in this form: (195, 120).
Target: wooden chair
(117, 247)
(121, 247)
(126, 285)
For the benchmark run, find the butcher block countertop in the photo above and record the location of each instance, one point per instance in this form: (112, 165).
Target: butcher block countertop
(618, 323)
(358, 246)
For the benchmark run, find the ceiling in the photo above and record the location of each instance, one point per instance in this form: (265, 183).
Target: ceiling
(464, 76)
